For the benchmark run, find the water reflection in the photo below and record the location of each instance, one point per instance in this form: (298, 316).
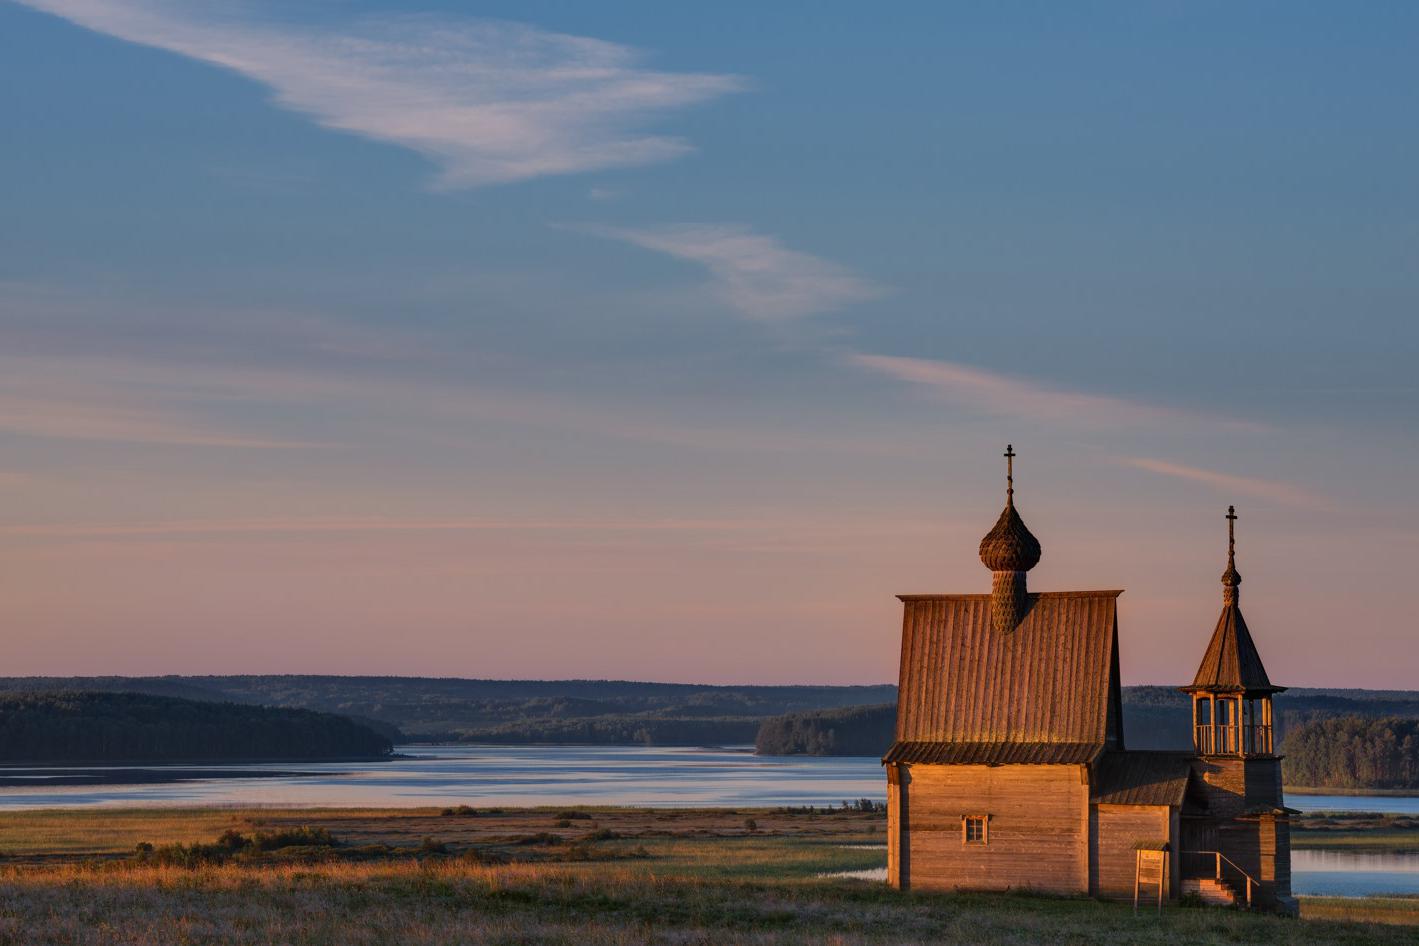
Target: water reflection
(1354, 873)
(1385, 804)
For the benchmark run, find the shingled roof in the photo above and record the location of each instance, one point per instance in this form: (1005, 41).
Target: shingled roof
(1232, 664)
(1046, 692)
(1141, 778)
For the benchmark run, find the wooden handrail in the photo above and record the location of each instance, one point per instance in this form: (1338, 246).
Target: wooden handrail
(1251, 881)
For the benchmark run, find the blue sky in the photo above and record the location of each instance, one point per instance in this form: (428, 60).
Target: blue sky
(670, 341)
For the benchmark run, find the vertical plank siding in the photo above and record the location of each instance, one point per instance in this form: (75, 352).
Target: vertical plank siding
(1047, 681)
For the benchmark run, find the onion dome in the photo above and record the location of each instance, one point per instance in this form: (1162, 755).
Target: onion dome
(1009, 550)
(1010, 546)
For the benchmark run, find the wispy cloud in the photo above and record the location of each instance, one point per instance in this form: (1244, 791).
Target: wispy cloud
(1005, 395)
(1275, 490)
(489, 102)
(266, 526)
(95, 416)
(753, 273)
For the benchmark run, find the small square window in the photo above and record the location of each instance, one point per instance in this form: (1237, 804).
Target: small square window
(974, 829)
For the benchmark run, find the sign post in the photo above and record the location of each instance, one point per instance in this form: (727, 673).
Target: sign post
(1151, 867)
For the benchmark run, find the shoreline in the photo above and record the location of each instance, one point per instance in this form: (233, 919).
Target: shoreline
(1351, 792)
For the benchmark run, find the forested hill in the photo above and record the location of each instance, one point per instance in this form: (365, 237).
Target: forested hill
(506, 711)
(1352, 752)
(852, 730)
(1154, 717)
(76, 727)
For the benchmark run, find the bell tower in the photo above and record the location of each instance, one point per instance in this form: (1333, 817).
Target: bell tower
(1233, 738)
(1231, 693)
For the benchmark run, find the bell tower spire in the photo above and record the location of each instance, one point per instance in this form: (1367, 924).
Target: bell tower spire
(1231, 692)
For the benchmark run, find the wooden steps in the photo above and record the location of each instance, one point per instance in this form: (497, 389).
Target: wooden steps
(1210, 890)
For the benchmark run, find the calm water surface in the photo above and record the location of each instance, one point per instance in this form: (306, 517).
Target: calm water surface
(490, 775)
(1354, 874)
(514, 775)
(1389, 804)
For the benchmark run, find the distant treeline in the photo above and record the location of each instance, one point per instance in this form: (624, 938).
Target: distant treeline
(608, 712)
(1154, 717)
(618, 712)
(114, 727)
(1353, 752)
(853, 730)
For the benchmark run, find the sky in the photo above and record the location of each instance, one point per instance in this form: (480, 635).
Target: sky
(661, 341)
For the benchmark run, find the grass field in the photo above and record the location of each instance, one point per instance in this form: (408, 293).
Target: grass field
(587, 877)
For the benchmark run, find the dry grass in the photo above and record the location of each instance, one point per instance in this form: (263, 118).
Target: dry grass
(445, 903)
(1397, 910)
(63, 834)
(668, 878)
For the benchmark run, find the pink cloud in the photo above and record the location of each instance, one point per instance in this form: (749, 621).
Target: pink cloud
(1000, 394)
(1276, 490)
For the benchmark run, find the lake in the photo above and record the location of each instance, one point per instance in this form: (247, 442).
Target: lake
(474, 775)
(507, 775)
(594, 775)
(1354, 873)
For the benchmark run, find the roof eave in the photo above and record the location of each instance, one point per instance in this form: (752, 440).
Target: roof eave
(1230, 690)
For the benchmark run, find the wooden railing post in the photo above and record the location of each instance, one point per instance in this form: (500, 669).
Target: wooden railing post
(1218, 858)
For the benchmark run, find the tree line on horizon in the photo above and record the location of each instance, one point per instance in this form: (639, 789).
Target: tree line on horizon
(76, 727)
(1325, 741)
(327, 716)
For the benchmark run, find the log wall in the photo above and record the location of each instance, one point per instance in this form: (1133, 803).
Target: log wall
(1258, 845)
(1116, 829)
(1038, 829)
(896, 821)
(1275, 857)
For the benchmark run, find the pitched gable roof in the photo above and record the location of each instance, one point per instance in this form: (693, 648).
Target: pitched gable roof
(1141, 778)
(993, 753)
(1232, 664)
(1050, 681)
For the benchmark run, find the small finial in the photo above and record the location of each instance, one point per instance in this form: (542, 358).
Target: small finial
(1009, 474)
